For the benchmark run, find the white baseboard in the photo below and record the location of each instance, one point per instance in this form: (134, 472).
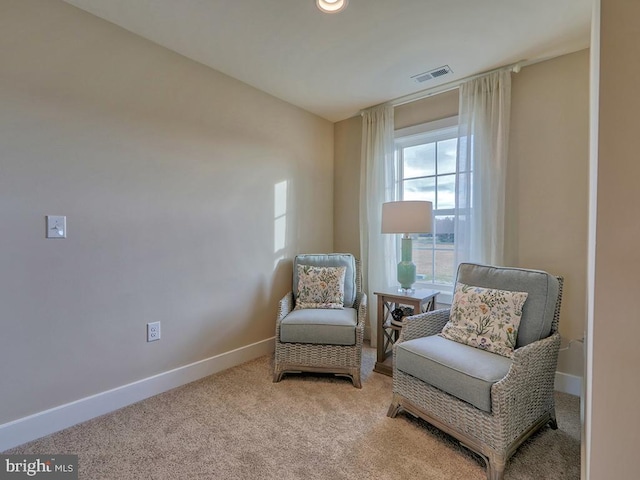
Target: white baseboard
(43, 423)
(567, 383)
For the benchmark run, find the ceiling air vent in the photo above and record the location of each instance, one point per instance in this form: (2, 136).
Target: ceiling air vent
(435, 73)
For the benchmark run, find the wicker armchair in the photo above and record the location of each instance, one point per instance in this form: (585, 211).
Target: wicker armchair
(520, 402)
(322, 340)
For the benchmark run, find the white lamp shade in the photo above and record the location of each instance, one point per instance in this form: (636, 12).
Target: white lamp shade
(407, 217)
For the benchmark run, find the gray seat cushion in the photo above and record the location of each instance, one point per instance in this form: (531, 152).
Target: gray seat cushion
(460, 370)
(330, 260)
(320, 326)
(538, 310)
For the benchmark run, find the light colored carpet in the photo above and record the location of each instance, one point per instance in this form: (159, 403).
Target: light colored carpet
(239, 425)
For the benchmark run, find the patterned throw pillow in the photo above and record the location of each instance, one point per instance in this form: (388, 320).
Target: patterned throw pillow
(320, 287)
(485, 318)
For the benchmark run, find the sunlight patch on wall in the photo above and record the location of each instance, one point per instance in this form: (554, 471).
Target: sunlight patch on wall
(280, 219)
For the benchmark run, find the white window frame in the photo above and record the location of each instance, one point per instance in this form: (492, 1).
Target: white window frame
(416, 135)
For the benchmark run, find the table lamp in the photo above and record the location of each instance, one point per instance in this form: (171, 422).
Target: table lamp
(406, 217)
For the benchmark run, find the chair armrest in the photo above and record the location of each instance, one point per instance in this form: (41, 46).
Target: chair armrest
(285, 306)
(530, 379)
(423, 324)
(361, 307)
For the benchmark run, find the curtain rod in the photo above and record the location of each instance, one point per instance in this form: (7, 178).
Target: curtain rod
(446, 87)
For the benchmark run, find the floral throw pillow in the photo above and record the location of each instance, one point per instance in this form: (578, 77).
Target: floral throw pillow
(320, 287)
(485, 318)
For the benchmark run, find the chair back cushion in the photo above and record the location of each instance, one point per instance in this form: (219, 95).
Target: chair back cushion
(330, 260)
(542, 289)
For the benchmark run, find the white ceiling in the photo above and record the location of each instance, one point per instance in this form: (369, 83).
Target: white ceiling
(335, 65)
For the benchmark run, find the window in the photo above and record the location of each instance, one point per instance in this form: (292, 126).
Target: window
(425, 158)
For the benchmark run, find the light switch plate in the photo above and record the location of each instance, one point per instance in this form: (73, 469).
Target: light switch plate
(56, 226)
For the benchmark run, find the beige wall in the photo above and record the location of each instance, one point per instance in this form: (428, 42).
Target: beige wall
(547, 193)
(547, 184)
(346, 229)
(436, 107)
(613, 390)
(173, 178)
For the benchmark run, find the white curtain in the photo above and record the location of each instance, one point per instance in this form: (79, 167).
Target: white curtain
(485, 105)
(377, 185)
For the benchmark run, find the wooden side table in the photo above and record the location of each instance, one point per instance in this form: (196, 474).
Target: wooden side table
(422, 300)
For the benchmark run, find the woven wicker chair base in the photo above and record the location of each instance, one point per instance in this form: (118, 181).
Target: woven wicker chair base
(352, 373)
(343, 360)
(495, 459)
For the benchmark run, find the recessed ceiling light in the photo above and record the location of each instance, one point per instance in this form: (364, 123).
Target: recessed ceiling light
(331, 6)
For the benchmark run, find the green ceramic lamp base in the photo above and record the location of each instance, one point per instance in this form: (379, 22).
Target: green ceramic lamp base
(406, 268)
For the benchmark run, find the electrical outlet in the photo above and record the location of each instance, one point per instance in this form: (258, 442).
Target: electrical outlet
(153, 331)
